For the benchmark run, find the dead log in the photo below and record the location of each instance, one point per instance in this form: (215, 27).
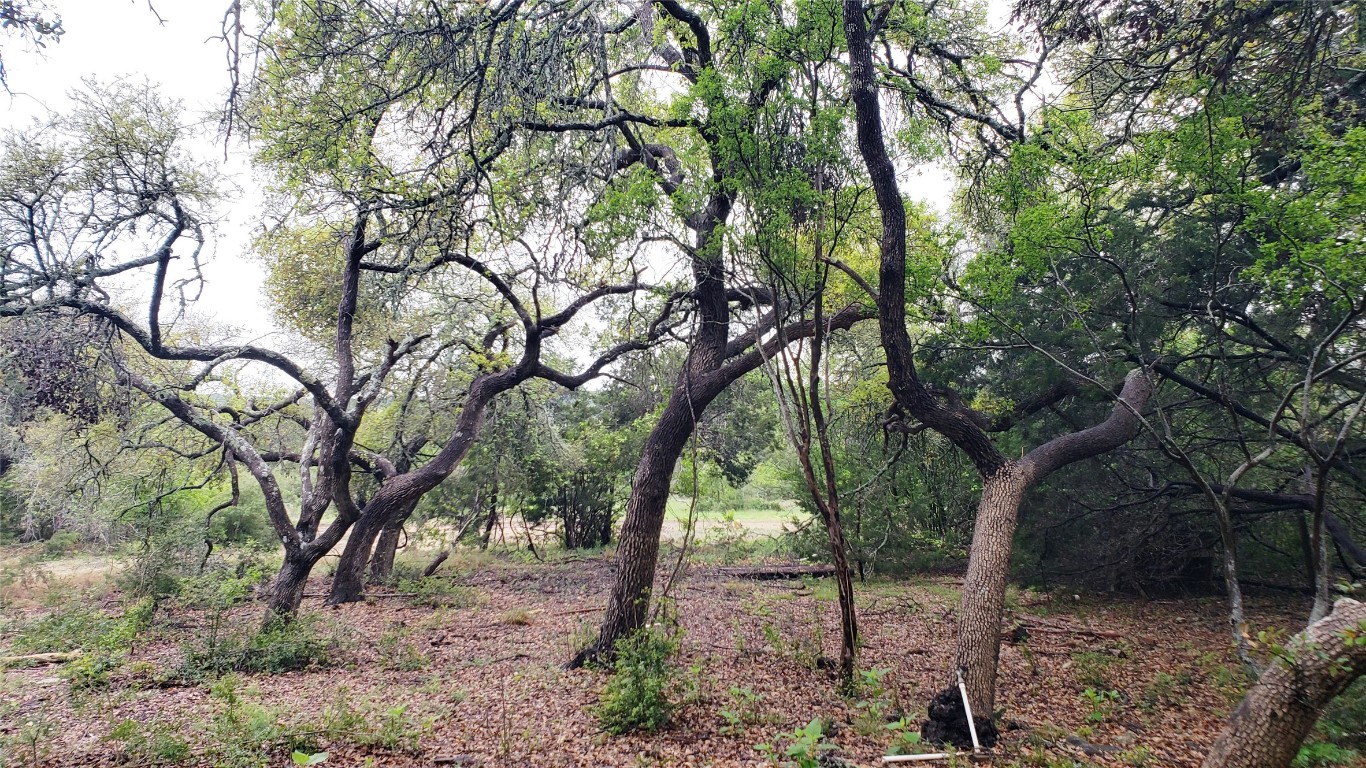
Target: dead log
(775, 572)
(1036, 624)
(435, 563)
(38, 659)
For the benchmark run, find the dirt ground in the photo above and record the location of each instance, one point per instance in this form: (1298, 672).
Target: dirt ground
(485, 682)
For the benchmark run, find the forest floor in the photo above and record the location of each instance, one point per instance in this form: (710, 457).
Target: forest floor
(465, 670)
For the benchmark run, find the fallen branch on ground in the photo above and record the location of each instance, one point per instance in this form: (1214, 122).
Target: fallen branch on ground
(773, 572)
(38, 659)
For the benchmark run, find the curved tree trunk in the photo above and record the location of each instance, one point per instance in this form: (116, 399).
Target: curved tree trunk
(638, 548)
(348, 583)
(286, 590)
(983, 600)
(386, 549)
(1267, 728)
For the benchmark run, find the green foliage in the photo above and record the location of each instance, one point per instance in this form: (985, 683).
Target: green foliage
(1102, 704)
(242, 733)
(905, 737)
(69, 625)
(1160, 692)
(398, 652)
(801, 748)
(438, 591)
(638, 695)
(395, 729)
(1319, 754)
(1093, 668)
(1344, 720)
(150, 743)
(872, 705)
(104, 640)
(280, 647)
(745, 709)
(221, 589)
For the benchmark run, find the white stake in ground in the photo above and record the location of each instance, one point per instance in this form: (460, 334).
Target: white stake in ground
(972, 730)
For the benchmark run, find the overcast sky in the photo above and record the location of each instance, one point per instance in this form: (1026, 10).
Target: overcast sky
(180, 53)
(109, 39)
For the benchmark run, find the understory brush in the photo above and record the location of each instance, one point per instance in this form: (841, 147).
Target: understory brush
(438, 592)
(640, 694)
(1340, 733)
(78, 625)
(224, 646)
(150, 743)
(395, 729)
(801, 748)
(306, 642)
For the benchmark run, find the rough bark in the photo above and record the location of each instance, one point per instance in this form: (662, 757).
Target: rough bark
(286, 590)
(984, 588)
(399, 494)
(1268, 727)
(638, 546)
(386, 551)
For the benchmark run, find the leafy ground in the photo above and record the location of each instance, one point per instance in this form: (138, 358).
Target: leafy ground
(465, 669)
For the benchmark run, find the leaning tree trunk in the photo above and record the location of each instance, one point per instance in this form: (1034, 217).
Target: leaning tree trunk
(1267, 728)
(286, 591)
(984, 587)
(638, 547)
(386, 547)
(983, 599)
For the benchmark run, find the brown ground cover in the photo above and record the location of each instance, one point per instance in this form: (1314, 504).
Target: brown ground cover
(478, 681)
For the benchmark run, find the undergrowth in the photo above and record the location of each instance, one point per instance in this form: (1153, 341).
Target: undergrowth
(638, 695)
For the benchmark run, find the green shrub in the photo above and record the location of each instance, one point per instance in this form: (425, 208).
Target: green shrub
(280, 647)
(61, 544)
(244, 525)
(637, 697)
(1344, 721)
(398, 652)
(1319, 754)
(150, 743)
(394, 728)
(77, 625)
(220, 588)
(438, 592)
(803, 747)
(1092, 669)
(242, 733)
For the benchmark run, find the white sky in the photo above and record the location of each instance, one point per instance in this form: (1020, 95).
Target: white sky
(109, 39)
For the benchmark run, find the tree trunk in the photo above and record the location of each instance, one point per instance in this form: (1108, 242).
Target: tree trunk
(386, 547)
(386, 550)
(348, 583)
(492, 511)
(638, 550)
(979, 613)
(844, 580)
(1267, 728)
(286, 590)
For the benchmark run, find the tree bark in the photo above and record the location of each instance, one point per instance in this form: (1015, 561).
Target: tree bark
(638, 548)
(1268, 727)
(386, 549)
(286, 590)
(983, 599)
(400, 494)
(348, 583)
